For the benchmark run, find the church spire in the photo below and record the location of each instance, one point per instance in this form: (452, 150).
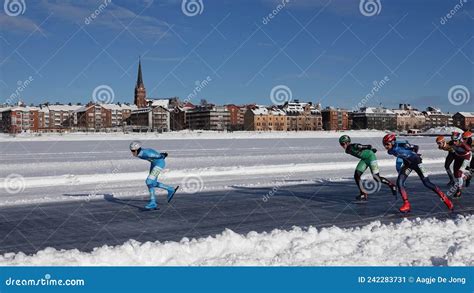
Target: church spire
(140, 78)
(140, 91)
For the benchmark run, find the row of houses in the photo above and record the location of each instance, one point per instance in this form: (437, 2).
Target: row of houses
(60, 118)
(403, 118)
(171, 115)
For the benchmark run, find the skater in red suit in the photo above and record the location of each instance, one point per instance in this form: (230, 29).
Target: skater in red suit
(462, 159)
(447, 146)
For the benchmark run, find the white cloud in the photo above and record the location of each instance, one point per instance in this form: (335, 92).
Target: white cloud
(17, 24)
(342, 7)
(111, 15)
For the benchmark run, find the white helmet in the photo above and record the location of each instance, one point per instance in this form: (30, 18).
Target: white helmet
(135, 145)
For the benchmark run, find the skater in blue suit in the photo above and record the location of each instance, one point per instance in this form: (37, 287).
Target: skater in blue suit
(411, 162)
(157, 161)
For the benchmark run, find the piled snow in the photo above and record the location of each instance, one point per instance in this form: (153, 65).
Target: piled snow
(443, 130)
(187, 134)
(416, 242)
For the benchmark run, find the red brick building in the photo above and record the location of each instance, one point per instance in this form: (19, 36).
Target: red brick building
(464, 120)
(335, 119)
(236, 114)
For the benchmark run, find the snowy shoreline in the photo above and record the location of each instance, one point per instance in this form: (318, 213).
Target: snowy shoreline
(417, 242)
(186, 134)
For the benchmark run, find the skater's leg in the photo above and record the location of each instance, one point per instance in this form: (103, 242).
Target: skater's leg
(382, 180)
(458, 173)
(361, 167)
(151, 183)
(374, 168)
(427, 182)
(387, 182)
(447, 165)
(470, 172)
(164, 186)
(402, 177)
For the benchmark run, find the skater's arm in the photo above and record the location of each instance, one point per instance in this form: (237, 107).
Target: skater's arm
(411, 147)
(363, 147)
(152, 154)
(398, 164)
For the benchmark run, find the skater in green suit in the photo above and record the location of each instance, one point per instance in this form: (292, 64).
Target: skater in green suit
(367, 157)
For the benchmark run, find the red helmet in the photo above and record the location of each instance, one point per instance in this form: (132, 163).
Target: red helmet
(389, 138)
(456, 136)
(466, 134)
(440, 139)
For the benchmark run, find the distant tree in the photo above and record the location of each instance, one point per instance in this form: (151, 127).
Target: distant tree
(204, 102)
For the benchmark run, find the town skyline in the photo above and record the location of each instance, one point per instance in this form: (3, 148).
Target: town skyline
(335, 55)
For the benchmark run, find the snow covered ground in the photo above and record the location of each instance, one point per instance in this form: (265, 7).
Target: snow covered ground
(80, 192)
(428, 242)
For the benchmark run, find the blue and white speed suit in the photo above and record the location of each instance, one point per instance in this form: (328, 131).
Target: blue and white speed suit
(157, 161)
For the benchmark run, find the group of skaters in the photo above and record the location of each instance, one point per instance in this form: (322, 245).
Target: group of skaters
(459, 148)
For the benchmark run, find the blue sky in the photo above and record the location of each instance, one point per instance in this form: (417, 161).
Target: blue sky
(322, 50)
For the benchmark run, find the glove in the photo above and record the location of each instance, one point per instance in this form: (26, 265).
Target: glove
(374, 150)
(164, 155)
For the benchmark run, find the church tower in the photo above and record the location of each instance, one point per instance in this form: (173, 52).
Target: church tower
(140, 91)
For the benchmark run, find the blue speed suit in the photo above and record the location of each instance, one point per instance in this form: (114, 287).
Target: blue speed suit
(157, 161)
(399, 161)
(411, 162)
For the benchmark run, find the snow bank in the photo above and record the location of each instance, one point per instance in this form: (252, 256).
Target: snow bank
(186, 134)
(443, 130)
(409, 243)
